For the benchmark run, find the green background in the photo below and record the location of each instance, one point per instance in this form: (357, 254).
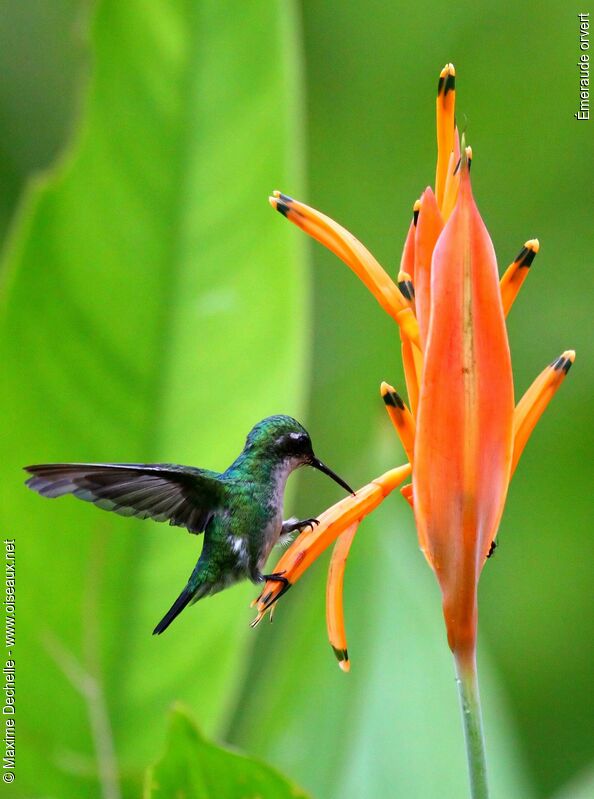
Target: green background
(153, 307)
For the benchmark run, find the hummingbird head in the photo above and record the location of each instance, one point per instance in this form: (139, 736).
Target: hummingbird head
(282, 438)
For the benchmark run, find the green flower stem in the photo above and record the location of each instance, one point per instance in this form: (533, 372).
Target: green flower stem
(470, 705)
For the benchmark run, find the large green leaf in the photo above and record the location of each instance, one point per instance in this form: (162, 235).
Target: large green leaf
(151, 310)
(193, 768)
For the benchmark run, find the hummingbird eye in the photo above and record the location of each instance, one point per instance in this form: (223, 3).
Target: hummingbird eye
(297, 443)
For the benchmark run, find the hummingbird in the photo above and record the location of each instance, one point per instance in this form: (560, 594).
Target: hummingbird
(239, 510)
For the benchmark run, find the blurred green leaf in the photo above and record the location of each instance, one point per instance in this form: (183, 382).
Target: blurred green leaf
(193, 768)
(147, 315)
(581, 787)
(43, 63)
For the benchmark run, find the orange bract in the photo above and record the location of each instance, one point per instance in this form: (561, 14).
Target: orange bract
(463, 445)
(460, 430)
(309, 545)
(334, 608)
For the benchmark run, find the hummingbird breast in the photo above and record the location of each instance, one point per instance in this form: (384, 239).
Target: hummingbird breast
(253, 521)
(271, 534)
(276, 493)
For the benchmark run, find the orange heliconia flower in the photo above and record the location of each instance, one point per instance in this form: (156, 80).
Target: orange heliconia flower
(461, 432)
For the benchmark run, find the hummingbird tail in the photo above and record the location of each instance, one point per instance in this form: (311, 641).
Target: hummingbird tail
(180, 603)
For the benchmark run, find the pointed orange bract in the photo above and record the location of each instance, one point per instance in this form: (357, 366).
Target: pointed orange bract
(334, 606)
(412, 360)
(401, 418)
(532, 405)
(429, 227)
(445, 116)
(463, 445)
(407, 261)
(355, 255)
(516, 273)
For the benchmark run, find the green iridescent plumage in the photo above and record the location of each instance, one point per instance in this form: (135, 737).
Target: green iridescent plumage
(239, 510)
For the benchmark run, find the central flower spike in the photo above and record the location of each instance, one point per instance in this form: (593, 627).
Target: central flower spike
(459, 430)
(464, 441)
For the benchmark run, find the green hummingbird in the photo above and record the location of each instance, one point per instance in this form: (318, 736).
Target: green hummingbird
(239, 511)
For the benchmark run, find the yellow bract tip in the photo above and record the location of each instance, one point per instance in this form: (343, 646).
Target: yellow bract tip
(386, 388)
(449, 69)
(532, 244)
(345, 665)
(417, 205)
(570, 355)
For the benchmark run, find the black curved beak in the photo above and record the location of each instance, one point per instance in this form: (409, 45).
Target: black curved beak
(321, 467)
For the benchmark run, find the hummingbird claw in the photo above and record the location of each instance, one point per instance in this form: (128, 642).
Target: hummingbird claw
(295, 525)
(311, 523)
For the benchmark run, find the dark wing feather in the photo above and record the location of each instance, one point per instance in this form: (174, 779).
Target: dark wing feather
(182, 495)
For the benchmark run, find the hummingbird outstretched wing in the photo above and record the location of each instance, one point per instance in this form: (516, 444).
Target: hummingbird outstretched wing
(184, 496)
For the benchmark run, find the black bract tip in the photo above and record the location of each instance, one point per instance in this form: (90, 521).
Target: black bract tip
(562, 363)
(446, 84)
(525, 257)
(416, 216)
(394, 400)
(521, 255)
(407, 289)
(285, 198)
(341, 654)
(282, 208)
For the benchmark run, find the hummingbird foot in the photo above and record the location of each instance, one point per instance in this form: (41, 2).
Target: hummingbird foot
(276, 577)
(262, 578)
(293, 525)
(268, 599)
